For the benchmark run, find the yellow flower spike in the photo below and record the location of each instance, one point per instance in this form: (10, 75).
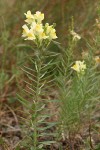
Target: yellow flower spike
(36, 30)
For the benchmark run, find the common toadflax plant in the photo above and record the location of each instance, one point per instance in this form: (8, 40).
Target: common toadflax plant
(35, 31)
(39, 78)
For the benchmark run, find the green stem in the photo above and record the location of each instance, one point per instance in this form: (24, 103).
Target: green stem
(39, 61)
(35, 135)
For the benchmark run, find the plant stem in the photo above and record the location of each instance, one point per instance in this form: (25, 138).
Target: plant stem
(35, 135)
(91, 145)
(39, 62)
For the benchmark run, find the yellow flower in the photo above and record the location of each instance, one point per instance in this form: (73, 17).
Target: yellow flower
(29, 16)
(39, 17)
(39, 32)
(28, 33)
(39, 28)
(48, 28)
(79, 66)
(50, 32)
(25, 30)
(97, 60)
(75, 35)
(98, 23)
(42, 36)
(36, 30)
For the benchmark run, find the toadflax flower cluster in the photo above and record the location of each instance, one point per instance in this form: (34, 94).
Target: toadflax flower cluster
(79, 67)
(35, 30)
